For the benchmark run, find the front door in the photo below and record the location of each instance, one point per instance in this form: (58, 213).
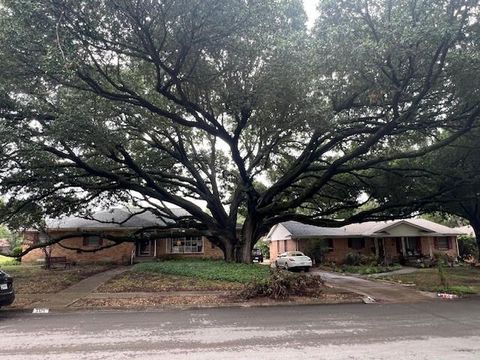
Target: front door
(144, 248)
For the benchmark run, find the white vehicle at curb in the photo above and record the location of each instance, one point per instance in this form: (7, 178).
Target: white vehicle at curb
(293, 260)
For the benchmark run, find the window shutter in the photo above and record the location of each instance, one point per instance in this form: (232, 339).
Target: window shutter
(435, 243)
(85, 241)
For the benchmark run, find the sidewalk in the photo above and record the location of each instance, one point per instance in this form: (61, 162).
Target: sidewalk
(80, 290)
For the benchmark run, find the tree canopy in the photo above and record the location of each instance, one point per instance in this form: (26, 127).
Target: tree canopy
(225, 105)
(448, 181)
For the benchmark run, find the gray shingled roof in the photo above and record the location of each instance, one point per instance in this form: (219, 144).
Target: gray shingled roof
(365, 229)
(298, 229)
(117, 218)
(466, 230)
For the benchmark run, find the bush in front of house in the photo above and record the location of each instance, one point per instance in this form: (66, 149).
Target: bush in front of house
(369, 269)
(356, 259)
(283, 284)
(467, 245)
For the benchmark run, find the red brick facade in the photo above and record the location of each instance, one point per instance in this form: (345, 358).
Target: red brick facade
(392, 248)
(119, 254)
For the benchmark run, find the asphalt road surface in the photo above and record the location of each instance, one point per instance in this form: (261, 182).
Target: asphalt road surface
(432, 330)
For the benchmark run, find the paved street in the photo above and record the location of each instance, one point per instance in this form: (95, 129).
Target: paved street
(437, 330)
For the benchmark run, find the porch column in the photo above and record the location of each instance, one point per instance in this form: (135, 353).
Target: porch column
(377, 250)
(385, 259)
(430, 246)
(155, 248)
(404, 248)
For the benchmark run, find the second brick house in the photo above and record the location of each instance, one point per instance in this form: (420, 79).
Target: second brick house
(388, 240)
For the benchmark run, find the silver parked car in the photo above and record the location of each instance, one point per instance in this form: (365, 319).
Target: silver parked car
(293, 260)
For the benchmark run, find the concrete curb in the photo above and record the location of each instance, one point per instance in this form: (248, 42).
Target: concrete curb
(61, 310)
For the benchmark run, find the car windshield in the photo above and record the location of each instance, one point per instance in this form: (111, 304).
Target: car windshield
(296, 254)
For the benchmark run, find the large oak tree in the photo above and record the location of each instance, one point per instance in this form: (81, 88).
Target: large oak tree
(448, 181)
(230, 105)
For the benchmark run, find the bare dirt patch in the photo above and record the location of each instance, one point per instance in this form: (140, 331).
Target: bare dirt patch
(36, 280)
(132, 281)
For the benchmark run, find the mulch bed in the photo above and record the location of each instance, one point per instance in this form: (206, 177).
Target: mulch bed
(328, 296)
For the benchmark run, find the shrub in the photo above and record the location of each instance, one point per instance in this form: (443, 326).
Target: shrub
(264, 248)
(357, 259)
(17, 251)
(282, 284)
(352, 259)
(467, 245)
(369, 269)
(316, 249)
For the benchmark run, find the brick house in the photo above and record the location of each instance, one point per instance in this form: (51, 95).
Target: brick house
(4, 246)
(390, 240)
(172, 243)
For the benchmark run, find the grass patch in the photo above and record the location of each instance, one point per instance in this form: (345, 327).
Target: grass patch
(135, 281)
(36, 280)
(366, 269)
(207, 270)
(460, 280)
(8, 261)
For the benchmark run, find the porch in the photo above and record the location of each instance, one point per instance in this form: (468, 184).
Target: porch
(175, 246)
(389, 249)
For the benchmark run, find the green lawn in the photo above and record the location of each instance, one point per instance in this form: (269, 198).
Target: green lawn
(460, 280)
(7, 261)
(207, 269)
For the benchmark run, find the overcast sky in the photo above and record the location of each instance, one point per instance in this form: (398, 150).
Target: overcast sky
(310, 9)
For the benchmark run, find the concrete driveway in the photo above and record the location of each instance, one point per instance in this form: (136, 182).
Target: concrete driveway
(380, 291)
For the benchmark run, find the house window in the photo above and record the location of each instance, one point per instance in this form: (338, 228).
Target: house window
(442, 243)
(185, 245)
(356, 244)
(412, 245)
(92, 240)
(43, 237)
(327, 244)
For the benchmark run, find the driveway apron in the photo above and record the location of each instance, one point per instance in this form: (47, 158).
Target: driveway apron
(380, 291)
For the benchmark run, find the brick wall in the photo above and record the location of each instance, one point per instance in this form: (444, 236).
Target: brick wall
(341, 249)
(337, 255)
(119, 254)
(281, 246)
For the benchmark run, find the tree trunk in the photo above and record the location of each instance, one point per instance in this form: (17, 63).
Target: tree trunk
(228, 252)
(248, 238)
(237, 246)
(476, 229)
